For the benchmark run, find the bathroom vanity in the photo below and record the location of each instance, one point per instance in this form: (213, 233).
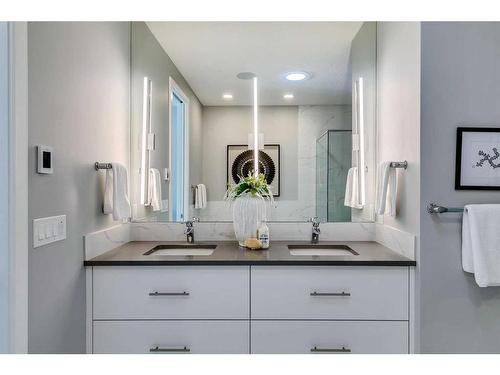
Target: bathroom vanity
(231, 300)
(214, 297)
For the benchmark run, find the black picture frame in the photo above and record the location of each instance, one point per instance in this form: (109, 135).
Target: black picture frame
(278, 166)
(459, 159)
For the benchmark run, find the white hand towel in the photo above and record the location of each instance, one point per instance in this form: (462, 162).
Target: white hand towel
(352, 189)
(203, 195)
(481, 243)
(200, 199)
(154, 189)
(386, 189)
(116, 193)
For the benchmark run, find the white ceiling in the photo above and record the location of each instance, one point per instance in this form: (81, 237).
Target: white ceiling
(210, 55)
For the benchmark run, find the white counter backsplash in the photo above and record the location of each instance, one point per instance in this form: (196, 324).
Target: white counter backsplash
(99, 242)
(401, 242)
(223, 231)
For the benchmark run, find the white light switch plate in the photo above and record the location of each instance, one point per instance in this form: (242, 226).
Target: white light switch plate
(49, 229)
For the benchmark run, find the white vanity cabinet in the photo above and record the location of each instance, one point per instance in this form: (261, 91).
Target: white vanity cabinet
(306, 309)
(248, 309)
(185, 309)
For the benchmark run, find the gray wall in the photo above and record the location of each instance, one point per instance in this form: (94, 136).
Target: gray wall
(150, 59)
(460, 87)
(4, 189)
(231, 125)
(78, 104)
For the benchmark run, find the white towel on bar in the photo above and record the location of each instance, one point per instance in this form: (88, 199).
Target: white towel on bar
(200, 196)
(116, 200)
(481, 243)
(386, 189)
(154, 189)
(352, 189)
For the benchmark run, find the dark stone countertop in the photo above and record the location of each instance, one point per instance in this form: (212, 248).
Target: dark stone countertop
(228, 253)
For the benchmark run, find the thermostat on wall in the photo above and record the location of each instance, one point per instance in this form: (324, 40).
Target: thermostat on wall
(45, 165)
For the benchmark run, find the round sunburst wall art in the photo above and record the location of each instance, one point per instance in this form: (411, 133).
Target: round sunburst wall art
(244, 163)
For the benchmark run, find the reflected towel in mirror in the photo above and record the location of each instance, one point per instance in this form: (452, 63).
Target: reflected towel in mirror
(352, 189)
(154, 189)
(116, 200)
(200, 196)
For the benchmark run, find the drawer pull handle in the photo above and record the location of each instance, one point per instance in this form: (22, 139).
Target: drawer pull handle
(155, 294)
(330, 350)
(157, 349)
(343, 294)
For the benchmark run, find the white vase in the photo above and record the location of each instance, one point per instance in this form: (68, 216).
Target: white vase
(248, 213)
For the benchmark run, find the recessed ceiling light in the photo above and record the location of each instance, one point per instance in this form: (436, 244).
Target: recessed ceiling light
(227, 96)
(246, 75)
(297, 76)
(288, 96)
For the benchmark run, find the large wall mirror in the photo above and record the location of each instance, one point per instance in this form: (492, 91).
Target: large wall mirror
(192, 118)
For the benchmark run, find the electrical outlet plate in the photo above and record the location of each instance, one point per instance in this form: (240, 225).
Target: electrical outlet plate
(49, 229)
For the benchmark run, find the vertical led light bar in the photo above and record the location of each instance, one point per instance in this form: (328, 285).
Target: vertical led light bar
(255, 128)
(146, 94)
(361, 130)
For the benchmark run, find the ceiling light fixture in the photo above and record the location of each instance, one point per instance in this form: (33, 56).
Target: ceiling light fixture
(288, 96)
(227, 96)
(297, 76)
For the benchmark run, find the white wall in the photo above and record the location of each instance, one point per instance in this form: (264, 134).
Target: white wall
(79, 84)
(398, 114)
(398, 139)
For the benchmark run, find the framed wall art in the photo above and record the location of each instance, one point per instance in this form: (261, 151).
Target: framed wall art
(477, 159)
(240, 163)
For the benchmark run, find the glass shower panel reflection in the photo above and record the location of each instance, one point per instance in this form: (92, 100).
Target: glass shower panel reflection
(322, 177)
(333, 160)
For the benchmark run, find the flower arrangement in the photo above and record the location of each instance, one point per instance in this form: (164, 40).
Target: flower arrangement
(253, 185)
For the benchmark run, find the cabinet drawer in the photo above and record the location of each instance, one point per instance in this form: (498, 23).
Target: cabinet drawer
(339, 337)
(170, 292)
(171, 337)
(372, 293)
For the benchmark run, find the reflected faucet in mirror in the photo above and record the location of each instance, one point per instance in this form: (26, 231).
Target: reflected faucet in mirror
(315, 229)
(189, 231)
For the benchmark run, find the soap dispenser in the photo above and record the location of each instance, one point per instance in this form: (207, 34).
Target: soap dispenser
(263, 235)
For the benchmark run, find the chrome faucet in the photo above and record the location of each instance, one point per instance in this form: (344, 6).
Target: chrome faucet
(315, 229)
(189, 231)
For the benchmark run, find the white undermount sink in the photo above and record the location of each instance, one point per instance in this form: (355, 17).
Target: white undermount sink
(182, 250)
(321, 250)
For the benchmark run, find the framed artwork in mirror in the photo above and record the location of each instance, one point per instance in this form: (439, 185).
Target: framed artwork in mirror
(477, 159)
(239, 161)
